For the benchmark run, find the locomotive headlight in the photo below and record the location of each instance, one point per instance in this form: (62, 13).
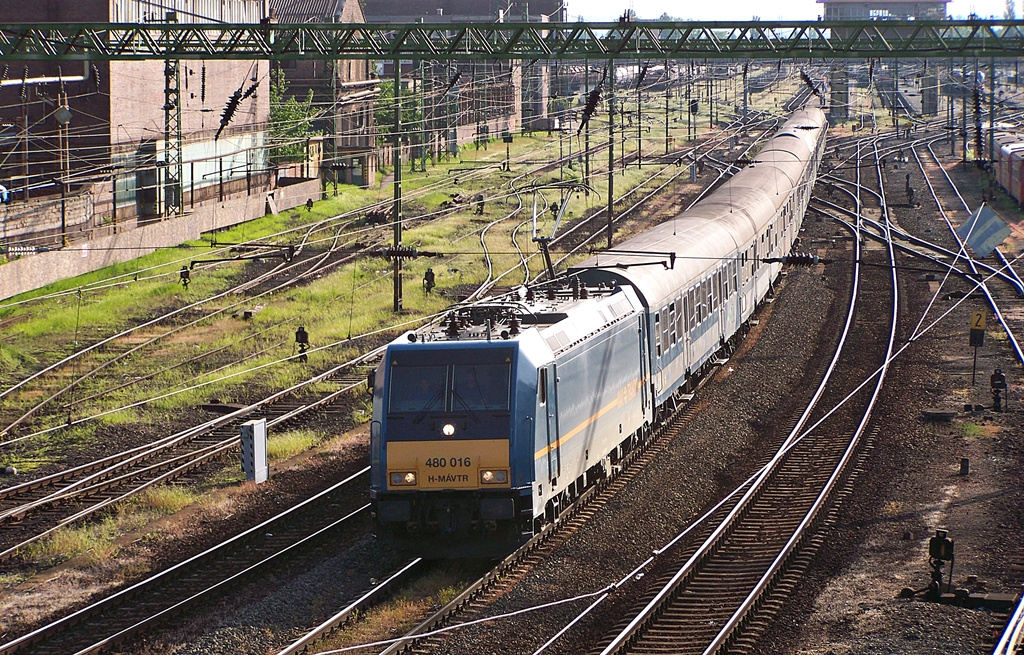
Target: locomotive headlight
(494, 477)
(400, 479)
(448, 429)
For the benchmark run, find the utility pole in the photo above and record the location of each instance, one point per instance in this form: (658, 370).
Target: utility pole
(611, 147)
(332, 121)
(991, 109)
(689, 85)
(397, 264)
(745, 90)
(172, 132)
(586, 136)
(666, 105)
(639, 128)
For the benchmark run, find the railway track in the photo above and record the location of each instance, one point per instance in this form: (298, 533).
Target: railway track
(35, 509)
(100, 625)
(748, 559)
(65, 496)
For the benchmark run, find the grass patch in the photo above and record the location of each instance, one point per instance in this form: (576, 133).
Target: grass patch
(228, 476)
(409, 606)
(291, 443)
(168, 499)
(96, 540)
(970, 430)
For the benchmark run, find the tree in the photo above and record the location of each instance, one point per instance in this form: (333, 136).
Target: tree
(291, 121)
(384, 110)
(1011, 10)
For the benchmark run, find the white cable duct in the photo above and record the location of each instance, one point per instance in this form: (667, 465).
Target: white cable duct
(50, 80)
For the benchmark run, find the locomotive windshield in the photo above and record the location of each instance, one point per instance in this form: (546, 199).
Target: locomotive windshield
(481, 386)
(455, 388)
(418, 388)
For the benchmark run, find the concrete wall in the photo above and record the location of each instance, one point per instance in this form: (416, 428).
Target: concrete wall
(33, 271)
(37, 222)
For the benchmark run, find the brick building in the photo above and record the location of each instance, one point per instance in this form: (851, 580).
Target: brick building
(344, 89)
(102, 128)
(860, 10)
(483, 99)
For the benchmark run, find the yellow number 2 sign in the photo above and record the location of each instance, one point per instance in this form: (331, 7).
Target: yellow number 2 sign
(978, 320)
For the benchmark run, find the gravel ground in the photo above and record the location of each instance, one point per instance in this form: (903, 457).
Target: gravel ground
(849, 604)
(712, 453)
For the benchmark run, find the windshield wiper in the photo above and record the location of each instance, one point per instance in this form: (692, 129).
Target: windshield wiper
(426, 409)
(472, 413)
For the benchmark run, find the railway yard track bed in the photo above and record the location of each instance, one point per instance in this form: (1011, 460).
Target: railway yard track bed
(907, 484)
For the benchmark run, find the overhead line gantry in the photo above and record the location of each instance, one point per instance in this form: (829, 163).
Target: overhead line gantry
(474, 41)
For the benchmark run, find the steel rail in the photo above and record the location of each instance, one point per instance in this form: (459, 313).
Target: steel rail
(624, 637)
(755, 594)
(1018, 351)
(999, 253)
(123, 594)
(301, 644)
(1012, 637)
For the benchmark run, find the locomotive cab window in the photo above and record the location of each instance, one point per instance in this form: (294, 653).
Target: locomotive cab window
(455, 388)
(480, 386)
(417, 388)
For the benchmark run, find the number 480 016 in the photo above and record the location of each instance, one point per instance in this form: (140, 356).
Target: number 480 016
(447, 462)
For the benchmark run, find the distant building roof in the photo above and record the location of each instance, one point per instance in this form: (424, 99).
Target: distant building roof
(883, 3)
(306, 11)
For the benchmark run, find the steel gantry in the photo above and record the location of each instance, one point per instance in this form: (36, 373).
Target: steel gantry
(470, 41)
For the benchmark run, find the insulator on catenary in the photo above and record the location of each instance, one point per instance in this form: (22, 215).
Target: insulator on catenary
(229, 112)
(797, 259)
(640, 78)
(592, 99)
(250, 91)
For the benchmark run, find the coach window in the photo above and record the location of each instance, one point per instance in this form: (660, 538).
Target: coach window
(691, 309)
(680, 315)
(703, 300)
(664, 327)
(657, 334)
(672, 324)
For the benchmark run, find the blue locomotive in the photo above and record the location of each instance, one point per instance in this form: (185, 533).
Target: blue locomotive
(486, 427)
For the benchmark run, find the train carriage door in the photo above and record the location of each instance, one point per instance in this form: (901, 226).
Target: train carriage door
(643, 365)
(547, 397)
